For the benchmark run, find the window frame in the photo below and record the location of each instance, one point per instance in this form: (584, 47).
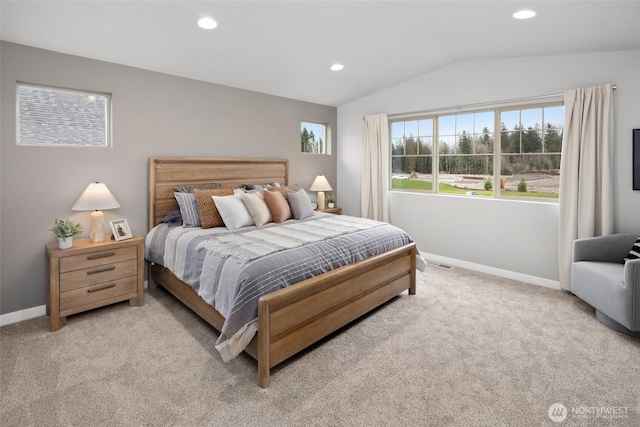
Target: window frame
(497, 109)
(108, 143)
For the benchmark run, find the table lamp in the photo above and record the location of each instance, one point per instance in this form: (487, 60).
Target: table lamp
(96, 198)
(320, 185)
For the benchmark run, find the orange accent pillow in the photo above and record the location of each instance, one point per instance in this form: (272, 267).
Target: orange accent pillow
(209, 214)
(280, 209)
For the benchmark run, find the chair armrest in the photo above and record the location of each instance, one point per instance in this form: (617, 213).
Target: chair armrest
(632, 283)
(632, 274)
(611, 248)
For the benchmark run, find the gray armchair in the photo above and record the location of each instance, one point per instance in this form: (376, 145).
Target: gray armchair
(601, 279)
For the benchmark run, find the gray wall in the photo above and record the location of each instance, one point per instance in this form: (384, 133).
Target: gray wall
(153, 115)
(512, 236)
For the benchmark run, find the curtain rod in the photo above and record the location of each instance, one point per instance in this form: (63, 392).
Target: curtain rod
(504, 102)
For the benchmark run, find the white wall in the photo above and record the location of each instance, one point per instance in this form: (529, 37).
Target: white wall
(515, 237)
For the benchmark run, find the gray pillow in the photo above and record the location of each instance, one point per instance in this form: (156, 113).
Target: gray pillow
(300, 204)
(188, 209)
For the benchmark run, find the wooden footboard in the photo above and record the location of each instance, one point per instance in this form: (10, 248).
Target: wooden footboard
(295, 317)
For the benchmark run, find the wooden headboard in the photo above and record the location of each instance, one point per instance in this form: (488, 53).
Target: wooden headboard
(167, 172)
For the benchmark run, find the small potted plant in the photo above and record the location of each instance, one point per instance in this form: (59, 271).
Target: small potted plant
(65, 230)
(331, 200)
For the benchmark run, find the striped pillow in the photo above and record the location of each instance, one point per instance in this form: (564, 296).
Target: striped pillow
(188, 209)
(634, 253)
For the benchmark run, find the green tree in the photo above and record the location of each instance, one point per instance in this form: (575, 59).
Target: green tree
(304, 140)
(485, 141)
(465, 146)
(411, 148)
(522, 186)
(552, 140)
(446, 162)
(423, 162)
(532, 140)
(488, 185)
(312, 143)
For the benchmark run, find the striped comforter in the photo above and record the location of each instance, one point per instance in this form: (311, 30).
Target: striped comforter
(231, 270)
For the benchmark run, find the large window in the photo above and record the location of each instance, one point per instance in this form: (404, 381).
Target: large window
(61, 117)
(468, 155)
(312, 138)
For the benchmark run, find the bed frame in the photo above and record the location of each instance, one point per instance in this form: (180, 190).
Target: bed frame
(295, 317)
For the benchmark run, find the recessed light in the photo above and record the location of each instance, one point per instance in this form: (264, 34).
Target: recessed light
(337, 67)
(207, 23)
(524, 14)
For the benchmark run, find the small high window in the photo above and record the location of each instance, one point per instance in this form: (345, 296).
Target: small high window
(313, 138)
(48, 116)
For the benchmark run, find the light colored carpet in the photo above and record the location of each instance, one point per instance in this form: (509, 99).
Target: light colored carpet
(468, 350)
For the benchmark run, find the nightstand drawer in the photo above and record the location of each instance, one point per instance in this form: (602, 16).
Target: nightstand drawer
(97, 274)
(90, 294)
(93, 259)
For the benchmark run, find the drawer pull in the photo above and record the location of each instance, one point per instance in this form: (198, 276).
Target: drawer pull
(101, 288)
(102, 255)
(102, 270)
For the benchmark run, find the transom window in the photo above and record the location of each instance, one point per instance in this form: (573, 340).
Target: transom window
(521, 159)
(48, 116)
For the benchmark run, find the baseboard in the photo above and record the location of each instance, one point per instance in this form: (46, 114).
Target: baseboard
(19, 316)
(534, 280)
(30, 313)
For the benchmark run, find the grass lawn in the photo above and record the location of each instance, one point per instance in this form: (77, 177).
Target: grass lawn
(416, 184)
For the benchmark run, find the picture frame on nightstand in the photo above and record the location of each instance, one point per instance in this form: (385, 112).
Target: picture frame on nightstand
(120, 230)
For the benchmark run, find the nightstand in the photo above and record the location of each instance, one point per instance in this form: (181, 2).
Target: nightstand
(337, 211)
(91, 275)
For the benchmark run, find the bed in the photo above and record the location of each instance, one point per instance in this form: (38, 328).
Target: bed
(295, 317)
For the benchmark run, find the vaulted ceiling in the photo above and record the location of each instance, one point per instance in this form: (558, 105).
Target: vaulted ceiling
(285, 48)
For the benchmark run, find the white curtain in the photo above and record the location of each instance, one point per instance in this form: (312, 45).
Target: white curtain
(586, 177)
(375, 168)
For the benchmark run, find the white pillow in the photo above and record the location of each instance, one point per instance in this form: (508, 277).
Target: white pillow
(257, 208)
(233, 212)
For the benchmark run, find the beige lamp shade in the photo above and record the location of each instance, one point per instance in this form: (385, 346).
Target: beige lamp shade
(320, 185)
(95, 198)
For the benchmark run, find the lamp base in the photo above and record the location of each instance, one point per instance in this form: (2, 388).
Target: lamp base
(321, 204)
(96, 227)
